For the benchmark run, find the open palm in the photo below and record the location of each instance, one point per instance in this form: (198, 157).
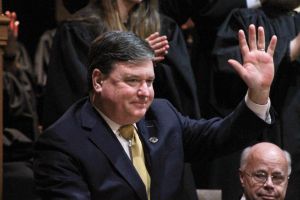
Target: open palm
(257, 69)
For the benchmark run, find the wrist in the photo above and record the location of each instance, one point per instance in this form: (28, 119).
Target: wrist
(259, 96)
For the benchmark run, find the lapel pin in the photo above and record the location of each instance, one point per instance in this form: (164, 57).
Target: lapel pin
(153, 140)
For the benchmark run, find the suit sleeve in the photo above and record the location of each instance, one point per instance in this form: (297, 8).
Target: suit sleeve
(218, 137)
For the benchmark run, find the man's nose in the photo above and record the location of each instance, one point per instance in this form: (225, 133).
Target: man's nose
(144, 89)
(269, 182)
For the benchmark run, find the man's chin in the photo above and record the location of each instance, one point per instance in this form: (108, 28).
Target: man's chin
(140, 114)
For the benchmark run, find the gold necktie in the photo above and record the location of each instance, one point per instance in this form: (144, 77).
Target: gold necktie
(137, 154)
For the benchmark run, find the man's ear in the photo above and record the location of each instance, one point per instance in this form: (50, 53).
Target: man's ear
(241, 175)
(97, 80)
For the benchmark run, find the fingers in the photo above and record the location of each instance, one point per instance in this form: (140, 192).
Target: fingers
(13, 16)
(16, 29)
(161, 51)
(8, 14)
(258, 44)
(160, 54)
(155, 38)
(254, 44)
(159, 44)
(13, 24)
(157, 41)
(243, 43)
(261, 38)
(272, 45)
(189, 24)
(158, 58)
(152, 37)
(252, 37)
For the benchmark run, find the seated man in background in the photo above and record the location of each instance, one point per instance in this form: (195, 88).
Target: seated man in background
(264, 172)
(121, 143)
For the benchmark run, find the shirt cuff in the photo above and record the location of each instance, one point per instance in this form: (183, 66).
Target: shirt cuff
(262, 111)
(253, 3)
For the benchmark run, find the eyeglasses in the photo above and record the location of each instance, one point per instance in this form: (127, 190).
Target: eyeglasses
(262, 177)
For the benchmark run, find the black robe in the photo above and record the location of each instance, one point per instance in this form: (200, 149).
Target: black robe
(229, 89)
(67, 73)
(207, 15)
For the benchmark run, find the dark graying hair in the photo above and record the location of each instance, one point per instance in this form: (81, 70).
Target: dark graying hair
(116, 46)
(246, 152)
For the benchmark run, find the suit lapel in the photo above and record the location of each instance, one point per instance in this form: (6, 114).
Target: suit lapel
(147, 131)
(102, 136)
(149, 135)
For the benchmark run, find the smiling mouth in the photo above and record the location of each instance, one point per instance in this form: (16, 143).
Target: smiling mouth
(267, 197)
(142, 104)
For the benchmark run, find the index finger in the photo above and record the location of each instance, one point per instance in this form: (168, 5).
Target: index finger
(152, 36)
(244, 48)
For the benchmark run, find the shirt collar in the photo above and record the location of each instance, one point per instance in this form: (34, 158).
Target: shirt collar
(243, 197)
(113, 125)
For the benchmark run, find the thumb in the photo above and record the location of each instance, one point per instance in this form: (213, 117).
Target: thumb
(237, 67)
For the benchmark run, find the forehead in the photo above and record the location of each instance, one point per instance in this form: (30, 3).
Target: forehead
(136, 66)
(269, 161)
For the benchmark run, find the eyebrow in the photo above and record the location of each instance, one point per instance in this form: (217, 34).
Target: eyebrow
(137, 76)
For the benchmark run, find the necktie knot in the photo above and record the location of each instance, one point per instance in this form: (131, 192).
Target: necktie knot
(127, 131)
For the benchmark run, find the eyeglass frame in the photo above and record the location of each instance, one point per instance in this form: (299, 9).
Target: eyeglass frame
(256, 179)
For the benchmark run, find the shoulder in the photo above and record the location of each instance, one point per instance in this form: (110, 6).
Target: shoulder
(166, 19)
(71, 120)
(159, 103)
(68, 132)
(162, 109)
(246, 13)
(250, 12)
(241, 18)
(82, 29)
(69, 25)
(168, 25)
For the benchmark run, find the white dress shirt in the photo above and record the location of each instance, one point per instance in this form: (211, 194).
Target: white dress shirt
(262, 111)
(115, 129)
(243, 197)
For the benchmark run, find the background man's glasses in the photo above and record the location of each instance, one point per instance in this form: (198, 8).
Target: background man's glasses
(261, 177)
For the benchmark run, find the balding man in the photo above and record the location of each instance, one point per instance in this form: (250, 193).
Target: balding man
(264, 172)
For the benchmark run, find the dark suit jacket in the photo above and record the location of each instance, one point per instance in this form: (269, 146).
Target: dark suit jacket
(79, 156)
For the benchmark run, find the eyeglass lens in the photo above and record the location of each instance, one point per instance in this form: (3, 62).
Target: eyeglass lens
(262, 177)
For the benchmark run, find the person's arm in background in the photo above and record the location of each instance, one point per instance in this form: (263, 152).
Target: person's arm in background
(12, 47)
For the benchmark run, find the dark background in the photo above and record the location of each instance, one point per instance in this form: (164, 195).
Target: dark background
(35, 16)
